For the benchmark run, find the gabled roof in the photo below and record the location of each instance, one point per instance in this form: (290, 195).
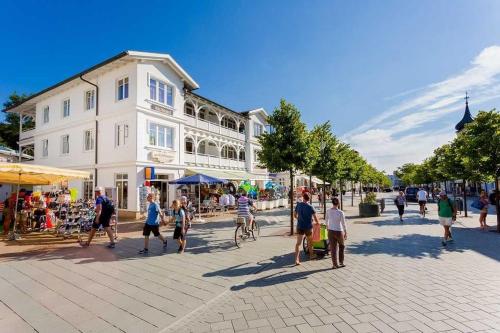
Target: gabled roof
(467, 118)
(188, 81)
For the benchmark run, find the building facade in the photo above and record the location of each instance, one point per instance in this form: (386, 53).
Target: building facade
(133, 111)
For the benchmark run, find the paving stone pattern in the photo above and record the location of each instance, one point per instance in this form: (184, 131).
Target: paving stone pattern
(398, 279)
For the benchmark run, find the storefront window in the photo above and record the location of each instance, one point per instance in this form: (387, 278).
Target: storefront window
(88, 188)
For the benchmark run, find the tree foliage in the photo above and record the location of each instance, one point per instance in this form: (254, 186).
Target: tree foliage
(9, 128)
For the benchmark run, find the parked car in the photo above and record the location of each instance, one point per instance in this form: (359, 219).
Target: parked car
(411, 194)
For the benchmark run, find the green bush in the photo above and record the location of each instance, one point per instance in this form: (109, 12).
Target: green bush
(370, 198)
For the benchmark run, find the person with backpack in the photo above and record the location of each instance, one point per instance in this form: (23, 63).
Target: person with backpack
(155, 216)
(483, 207)
(447, 212)
(400, 202)
(180, 224)
(104, 210)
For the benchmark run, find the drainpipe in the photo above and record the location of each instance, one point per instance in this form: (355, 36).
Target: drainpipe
(96, 125)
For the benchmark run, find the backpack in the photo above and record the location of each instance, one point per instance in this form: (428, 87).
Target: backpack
(108, 208)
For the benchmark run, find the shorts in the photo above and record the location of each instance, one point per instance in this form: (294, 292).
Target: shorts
(102, 221)
(146, 231)
(178, 233)
(445, 221)
(422, 202)
(307, 232)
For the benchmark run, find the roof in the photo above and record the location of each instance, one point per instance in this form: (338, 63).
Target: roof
(466, 119)
(219, 105)
(188, 81)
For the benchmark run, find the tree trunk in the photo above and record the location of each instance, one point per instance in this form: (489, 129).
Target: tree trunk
(341, 197)
(292, 197)
(497, 201)
(361, 191)
(352, 193)
(310, 189)
(465, 200)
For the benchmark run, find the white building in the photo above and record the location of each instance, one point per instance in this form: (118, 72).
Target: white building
(138, 110)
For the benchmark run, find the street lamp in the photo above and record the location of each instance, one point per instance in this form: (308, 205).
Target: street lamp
(322, 147)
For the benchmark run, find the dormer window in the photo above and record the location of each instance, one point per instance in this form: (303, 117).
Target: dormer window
(161, 92)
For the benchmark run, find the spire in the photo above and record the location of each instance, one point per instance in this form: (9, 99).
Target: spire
(467, 118)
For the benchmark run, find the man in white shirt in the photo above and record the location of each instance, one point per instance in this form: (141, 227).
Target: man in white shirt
(337, 233)
(422, 200)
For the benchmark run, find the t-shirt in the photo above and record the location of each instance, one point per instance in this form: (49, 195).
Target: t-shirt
(153, 214)
(305, 213)
(335, 220)
(445, 208)
(400, 200)
(100, 199)
(422, 195)
(179, 215)
(244, 206)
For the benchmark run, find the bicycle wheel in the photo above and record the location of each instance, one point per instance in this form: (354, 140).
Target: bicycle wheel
(238, 235)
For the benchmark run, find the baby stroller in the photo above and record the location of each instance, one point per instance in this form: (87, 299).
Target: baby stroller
(321, 247)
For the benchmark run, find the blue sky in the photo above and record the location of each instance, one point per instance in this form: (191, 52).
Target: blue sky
(389, 75)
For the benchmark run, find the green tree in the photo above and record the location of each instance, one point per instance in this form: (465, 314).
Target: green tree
(9, 128)
(285, 147)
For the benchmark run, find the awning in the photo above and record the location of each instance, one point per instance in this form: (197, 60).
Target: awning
(318, 181)
(31, 174)
(228, 174)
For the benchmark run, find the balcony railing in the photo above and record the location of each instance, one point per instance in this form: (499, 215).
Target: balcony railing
(214, 127)
(213, 161)
(26, 134)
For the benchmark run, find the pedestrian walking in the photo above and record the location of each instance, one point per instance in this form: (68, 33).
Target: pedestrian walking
(180, 224)
(401, 202)
(483, 206)
(447, 212)
(104, 210)
(187, 207)
(337, 233)
(304, 213)
(422, 200)
(152, 224)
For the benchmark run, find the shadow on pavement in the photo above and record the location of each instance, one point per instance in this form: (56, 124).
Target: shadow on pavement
(424, 246)
(277, 278)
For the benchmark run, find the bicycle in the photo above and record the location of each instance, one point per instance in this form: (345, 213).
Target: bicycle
(244, 232)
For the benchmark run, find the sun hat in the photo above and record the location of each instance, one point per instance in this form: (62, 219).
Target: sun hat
(442, 193)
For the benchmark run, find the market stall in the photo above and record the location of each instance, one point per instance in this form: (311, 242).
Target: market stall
(31, 174)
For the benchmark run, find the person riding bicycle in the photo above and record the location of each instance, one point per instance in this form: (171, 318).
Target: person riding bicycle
(244, 204)
(422, 200)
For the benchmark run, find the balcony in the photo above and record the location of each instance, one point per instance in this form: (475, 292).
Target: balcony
(27, 134)
(213, 127)
(213, 161)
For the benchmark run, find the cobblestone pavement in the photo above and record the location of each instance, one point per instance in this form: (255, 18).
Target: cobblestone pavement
(398, 279)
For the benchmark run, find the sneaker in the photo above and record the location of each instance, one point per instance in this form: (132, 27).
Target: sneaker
(179, 250)
(450, 239)
(443, 242)
(84, 244)
(165, 244)
(111, 246)
(144, 251)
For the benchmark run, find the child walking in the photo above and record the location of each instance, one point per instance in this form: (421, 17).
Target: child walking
(180, 224)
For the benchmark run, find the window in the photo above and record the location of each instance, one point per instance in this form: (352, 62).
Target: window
(161, 92)
(89, 99)
(65, 144)
(161, 136)
(121, 183)
(257, 130)
(45, 114)
(121, 134)
(88, 140)
(88, 188)
(256, 155)
(45, 148)
(242, 155)
(228, 123)
(189, 110)
(189, 145)
(66, 108)
(122, 88)
(228, 152)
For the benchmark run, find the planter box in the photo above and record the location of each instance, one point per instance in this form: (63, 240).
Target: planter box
(271, 204)
(281, 202)
(261, 205)
(369, 210)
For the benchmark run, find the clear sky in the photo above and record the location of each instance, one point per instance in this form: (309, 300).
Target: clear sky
(389, 75)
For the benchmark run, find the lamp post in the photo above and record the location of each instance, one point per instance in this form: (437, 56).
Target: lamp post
(322, 147)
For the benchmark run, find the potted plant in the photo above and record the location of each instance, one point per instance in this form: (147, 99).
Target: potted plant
(369, 207)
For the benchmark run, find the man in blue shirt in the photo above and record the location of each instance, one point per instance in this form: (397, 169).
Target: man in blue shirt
(104, 211)
(155, 215)
(304, 213)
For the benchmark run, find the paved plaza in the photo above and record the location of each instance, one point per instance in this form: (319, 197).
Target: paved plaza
(398, 279)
